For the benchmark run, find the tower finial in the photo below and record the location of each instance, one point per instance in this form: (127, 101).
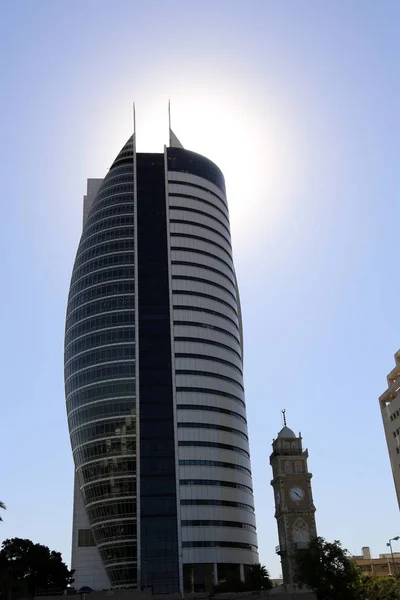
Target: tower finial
(284, 417)
(134, 125)
(169, 122)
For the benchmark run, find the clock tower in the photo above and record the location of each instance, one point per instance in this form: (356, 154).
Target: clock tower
(294, 507)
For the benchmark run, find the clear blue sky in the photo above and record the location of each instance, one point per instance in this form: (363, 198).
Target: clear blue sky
(298, 102)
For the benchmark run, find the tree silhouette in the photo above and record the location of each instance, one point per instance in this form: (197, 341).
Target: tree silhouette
(326, 569)
(257, 578)
(27, 568)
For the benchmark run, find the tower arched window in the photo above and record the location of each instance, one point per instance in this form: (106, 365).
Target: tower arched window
(301, 534)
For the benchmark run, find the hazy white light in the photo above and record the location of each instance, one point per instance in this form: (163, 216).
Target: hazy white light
(241, 129)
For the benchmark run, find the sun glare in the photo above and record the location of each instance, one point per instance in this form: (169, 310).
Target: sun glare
(255, 149)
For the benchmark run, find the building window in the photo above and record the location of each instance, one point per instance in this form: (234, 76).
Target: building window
(85, 538)
(288, 467)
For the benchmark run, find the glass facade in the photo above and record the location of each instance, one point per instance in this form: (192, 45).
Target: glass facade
(158, 505)
(100, 371)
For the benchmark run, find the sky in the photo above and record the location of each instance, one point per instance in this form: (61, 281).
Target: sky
(297, 102)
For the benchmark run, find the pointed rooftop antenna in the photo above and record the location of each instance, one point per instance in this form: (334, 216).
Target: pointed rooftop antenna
(134, 125)
(169, 122)
(284, 417)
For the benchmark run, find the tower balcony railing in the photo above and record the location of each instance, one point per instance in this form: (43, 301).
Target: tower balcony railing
(303, 545)
(290, 452)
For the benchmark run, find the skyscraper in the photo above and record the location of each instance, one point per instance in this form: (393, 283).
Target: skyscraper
(390, 409)
(153, 379)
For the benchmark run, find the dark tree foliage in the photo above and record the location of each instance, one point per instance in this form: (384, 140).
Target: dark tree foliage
(381, 588)
(257, 578)
(27, 568)
(326, 569)
(3, 506)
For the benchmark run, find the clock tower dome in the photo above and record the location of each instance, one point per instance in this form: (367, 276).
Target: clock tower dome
(294, 507)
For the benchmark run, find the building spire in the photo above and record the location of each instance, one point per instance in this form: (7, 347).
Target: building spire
(284, 417)
(134, 125)
(173, 140)
(169, 122)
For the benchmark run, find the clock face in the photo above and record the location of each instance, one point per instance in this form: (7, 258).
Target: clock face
(297, 494)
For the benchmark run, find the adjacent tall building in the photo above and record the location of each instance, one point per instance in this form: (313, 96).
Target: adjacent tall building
(153, 380)
(390, 409)
(294, 505)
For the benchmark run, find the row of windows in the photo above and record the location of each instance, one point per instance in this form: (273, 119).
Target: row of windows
(123, 509)
(213, 359)
(118, 318)
(123, 446)
(216, 409)
(101, 391)
(108, 223)
(206, 311)
(122, 576)
(117, 175)
(226, 503)
(101, 355)
(206, 342)
(193, 444)
(109, 468)
(114, 288)
(202, 226)
(214, 205)
(108, 235)
(203, 253)
(216, 523)
(197, 295)
(199, 238)
(208, 374)
(115, 488)
(102, 262)
(126, 551)
(203, 281)
(108, 247)
(214, 463)
(121, 530)
(99, 306)
(123, 206)
(112, 273)
(103, 409)
(395, 415)
(117, 171)
(119, 426)
(218, 483)
(220, 545)
(185, 161)
(109, 201)
(185, 263)
(207, 326)
(122, 189)
(101, 338)
(201, 212)
(197, 390)
(101, 373)
(199, 187)
(214, 427)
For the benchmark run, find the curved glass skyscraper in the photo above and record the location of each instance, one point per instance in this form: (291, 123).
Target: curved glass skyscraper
(153, 380)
